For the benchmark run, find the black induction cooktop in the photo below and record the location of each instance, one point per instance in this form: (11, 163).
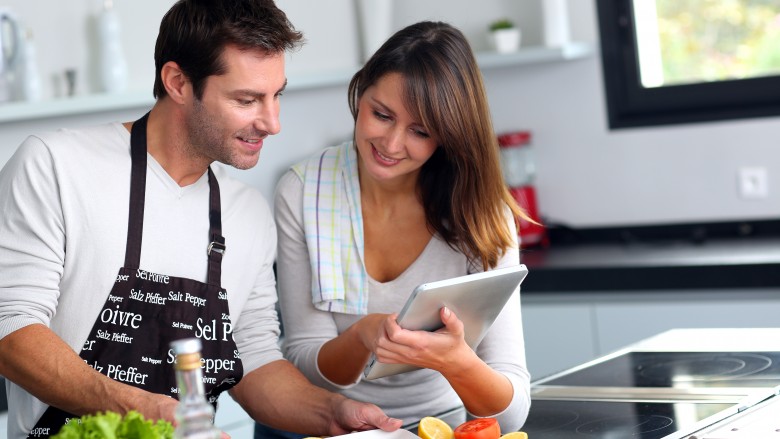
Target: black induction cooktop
(688, 370)
(557, 419)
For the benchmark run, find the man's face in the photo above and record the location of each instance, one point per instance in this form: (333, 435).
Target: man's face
(238, 109)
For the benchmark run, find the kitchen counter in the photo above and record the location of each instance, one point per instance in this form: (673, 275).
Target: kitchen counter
(761, 420)
(711, 339)
(693, 256)
(698, 383)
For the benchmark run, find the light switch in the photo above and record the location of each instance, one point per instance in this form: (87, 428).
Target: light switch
(753, 182)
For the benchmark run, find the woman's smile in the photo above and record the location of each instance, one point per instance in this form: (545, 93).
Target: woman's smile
(383, 159)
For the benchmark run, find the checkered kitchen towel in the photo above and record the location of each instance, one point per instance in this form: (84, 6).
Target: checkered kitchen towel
(333, 224)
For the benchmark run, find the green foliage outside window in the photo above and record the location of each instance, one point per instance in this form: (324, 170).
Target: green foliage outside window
(712, 40)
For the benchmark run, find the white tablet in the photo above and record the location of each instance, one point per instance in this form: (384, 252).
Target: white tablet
(476, 299)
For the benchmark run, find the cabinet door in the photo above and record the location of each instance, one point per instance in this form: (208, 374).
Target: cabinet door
(557, 336)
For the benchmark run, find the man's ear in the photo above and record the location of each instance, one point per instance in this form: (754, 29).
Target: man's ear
(176, 83)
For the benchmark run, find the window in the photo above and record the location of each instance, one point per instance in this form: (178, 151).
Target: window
(681, 61)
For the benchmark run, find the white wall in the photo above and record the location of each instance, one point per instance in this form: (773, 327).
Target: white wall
(588, 176)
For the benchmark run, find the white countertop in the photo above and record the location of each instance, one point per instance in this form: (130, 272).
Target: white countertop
(712, 339)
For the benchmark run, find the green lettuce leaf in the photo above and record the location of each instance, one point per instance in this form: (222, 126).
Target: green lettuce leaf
(110, 425)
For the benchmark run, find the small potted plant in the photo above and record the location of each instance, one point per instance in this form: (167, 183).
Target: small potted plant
(504, 35)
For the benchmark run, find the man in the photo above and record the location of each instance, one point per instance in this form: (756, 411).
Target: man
(193, 248)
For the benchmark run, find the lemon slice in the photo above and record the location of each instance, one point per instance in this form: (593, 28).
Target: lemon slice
(433, 428)
(515, 435)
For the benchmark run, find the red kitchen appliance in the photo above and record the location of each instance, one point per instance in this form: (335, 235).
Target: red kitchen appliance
(519, 169)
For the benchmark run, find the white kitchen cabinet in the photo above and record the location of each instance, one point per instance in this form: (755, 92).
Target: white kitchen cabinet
(632, 317)
(558, 335)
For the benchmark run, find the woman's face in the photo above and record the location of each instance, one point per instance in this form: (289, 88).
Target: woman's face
(392, 145)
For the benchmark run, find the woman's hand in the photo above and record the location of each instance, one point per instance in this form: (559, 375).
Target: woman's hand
(342, 359)
(371, 330)
(483, 390)
(443, 350)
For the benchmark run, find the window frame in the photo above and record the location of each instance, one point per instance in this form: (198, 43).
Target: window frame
(629, 104)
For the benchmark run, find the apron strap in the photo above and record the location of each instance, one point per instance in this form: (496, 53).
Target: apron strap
(135, 227)
(216, 248)
(135, 221)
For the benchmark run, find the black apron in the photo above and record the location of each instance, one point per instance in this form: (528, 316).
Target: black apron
(145, 311)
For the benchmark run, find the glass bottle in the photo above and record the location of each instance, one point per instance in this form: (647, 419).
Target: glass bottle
(194, 415)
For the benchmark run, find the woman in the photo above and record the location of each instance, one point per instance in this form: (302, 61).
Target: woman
(417, 196)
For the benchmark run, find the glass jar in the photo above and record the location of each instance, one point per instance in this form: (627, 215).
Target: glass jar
(517, 161)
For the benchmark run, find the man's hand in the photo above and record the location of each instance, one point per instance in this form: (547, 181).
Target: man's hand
(35, 358)
(156, 406)
(277, 394)
(351, 415)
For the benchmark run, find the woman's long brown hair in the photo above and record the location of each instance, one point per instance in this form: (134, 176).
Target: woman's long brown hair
(461, 185)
